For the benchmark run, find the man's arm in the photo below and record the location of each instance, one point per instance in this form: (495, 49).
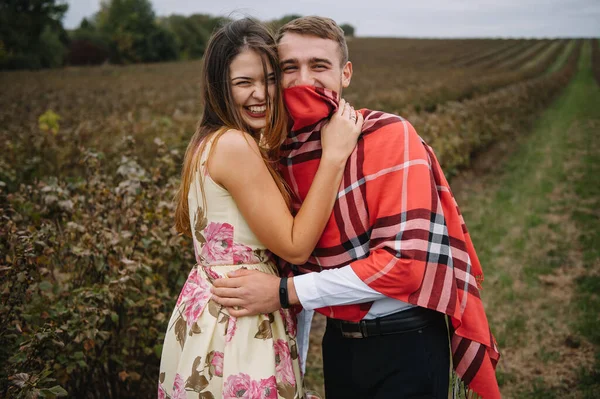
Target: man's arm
(397, 165)
(255, 292)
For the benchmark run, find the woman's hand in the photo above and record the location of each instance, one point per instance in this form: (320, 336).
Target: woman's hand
(340, 134)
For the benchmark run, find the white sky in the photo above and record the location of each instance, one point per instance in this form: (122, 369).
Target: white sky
(401, 18)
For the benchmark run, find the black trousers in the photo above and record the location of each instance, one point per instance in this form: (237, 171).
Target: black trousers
(413, 364)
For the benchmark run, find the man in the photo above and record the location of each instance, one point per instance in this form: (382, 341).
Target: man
(395, 258)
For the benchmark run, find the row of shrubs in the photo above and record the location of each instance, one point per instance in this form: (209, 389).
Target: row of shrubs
(465, 84)
(457, 130)
(596, 60)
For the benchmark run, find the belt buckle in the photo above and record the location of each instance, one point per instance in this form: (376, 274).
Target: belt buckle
(362, 326)
(354, 334)
(361, 333)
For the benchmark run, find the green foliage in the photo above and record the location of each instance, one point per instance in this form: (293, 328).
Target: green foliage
(278, 23)
(348, 30)
(54, 50)
(191, 33)
(48, 122)
(133, 34)
(32, 34)
(208, 22)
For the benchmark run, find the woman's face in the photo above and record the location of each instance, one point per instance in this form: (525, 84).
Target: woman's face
(249, 86)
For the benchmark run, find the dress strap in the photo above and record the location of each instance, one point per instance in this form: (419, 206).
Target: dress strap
(206, 151)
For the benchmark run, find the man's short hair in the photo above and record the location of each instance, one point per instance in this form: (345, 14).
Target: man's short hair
(322, 27)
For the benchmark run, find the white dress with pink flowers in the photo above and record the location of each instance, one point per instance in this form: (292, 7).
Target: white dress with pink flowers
(206, 352)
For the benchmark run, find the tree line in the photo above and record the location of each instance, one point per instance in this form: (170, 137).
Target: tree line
(32, 35)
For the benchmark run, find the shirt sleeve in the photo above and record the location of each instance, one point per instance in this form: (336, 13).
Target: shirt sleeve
(332, 288)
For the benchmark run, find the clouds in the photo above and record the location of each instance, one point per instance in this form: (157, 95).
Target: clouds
(424, 18)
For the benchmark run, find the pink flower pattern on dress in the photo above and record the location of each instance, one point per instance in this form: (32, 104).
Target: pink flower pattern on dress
(264, 389)
(196, 294)
(289, 321)
(211, 273)
(219, 242)
(217, 362)
(243, 386)
(178, 388)
(243, 254)
(237, 386)
(220, 249)
(284, 370)
(161, 392)
(231, 327)
(196, 252)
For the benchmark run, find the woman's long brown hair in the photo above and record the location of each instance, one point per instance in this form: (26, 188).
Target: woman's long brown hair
(220, 114)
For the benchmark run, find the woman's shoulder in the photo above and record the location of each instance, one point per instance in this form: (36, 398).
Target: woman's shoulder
(233, 151)
(235, 145)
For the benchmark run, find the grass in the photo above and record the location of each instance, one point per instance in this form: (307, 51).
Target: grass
(535, 222)
(587, 217)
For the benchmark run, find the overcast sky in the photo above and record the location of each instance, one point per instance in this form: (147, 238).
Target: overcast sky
(400, 18)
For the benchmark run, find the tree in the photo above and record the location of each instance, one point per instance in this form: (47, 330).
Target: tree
(133, 33)
(276, 24)
(88, 46)
(192, 33)
(191, 37)
(208, 22)
(31, 33)
(348, 30)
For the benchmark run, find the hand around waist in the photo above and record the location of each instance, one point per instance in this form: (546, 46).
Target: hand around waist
(250, 292)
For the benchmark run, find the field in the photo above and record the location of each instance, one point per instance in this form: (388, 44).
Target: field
(90, 266)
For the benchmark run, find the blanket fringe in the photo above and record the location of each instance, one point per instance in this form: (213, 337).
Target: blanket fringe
(460, 390)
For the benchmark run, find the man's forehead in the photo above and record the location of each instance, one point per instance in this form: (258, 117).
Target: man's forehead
(294, 45)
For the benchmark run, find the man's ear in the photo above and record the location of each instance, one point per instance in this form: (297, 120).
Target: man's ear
(346, 74)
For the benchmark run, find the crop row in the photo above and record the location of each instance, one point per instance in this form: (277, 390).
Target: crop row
(531, 53)
(596, 59)
(417, 91)
(457, 130)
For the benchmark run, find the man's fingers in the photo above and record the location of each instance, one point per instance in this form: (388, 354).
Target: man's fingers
(226, 292)
(346, 111)
(241, 273)
(239, 312)
(359, 120)
(226, 282)
(228, 302)
(341, 106)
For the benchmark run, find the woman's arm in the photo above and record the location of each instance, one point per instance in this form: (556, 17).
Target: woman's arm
(237, 165)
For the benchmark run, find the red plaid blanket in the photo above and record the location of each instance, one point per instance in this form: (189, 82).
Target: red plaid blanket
(397, 224)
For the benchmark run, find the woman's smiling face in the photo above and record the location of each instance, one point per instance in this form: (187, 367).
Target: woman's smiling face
(249, 87)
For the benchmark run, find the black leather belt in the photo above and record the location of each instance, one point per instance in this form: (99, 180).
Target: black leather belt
(405, 321)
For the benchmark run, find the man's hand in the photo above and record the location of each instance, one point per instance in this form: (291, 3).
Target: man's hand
(247, 292)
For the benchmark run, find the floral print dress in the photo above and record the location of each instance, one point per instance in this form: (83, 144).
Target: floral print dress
(207, 353)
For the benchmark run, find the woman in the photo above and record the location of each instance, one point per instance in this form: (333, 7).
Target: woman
(235, 207)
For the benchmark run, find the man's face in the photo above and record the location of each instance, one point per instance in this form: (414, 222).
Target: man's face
(310, 60)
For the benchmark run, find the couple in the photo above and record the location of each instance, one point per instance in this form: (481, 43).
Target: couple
(374, 241)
